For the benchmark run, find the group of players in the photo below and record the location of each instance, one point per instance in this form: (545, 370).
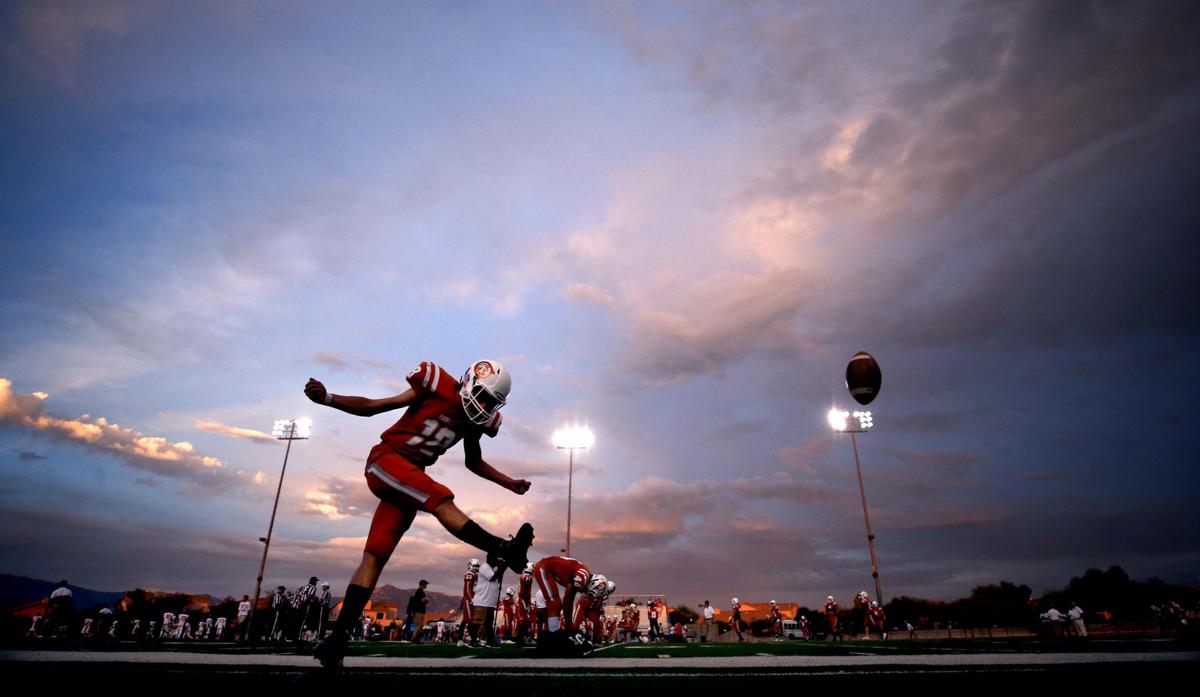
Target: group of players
(865, 610)
(536, 608)
(565, 611)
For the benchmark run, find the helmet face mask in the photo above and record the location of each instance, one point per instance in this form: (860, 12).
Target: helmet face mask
(484, 390)
(597, 586)
(473, 565)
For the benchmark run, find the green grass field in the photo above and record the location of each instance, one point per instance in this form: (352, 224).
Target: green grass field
(1008, 664)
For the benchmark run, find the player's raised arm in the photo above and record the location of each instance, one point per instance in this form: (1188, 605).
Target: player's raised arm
(476, 464)
(359, 406)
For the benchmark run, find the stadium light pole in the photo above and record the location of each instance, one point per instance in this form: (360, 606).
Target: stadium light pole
(289, 430)
(571, 439)
(862, 422)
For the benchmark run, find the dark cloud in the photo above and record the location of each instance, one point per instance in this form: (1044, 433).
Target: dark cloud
(29, 455)
(1029, 170)
(670, 345)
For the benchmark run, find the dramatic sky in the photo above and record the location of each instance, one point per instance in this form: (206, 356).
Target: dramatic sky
(673, 222)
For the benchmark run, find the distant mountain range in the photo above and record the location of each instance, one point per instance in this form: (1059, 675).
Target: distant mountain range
(19, 590)
(438, 602)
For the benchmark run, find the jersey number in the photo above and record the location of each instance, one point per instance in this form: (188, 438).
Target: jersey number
(435, 438)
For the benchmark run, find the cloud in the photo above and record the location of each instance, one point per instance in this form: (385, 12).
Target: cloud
(153, 454)
(29, 455)
(235, 432)
(997, 165)
(53, 36)
(122, 553)
(336, 498)
(589, 293)
(956, 461)
(707, 327)
(343, 361)
(803, 456)
(331, 360)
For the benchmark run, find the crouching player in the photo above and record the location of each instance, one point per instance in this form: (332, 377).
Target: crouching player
(575, 578)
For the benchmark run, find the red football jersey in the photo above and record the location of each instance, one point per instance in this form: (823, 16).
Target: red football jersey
(585, 608)
(435, 421)
(469, 579)
(525, 587)
(565, 571)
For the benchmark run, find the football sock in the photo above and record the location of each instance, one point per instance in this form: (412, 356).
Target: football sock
(352, 608)
(478, 538)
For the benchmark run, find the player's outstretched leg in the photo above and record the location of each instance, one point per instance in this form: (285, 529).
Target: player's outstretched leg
(512, 553)
(330, 650)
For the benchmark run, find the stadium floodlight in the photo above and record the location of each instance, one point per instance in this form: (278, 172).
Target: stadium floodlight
(572, 438)
(292, 429)
(289, 430)
(862, 422)
(840, 421)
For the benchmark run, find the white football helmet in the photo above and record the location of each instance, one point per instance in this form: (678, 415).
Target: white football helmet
(874, 603)
(473, 565)
(597, 586)
(773, 603)
(734, 601)
(509, 591)
(612, 586)
(484, 390)
(829, 599)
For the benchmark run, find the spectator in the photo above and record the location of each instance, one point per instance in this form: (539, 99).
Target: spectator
(59, 609)
(243, 616)
(487, 597)
(326, 606)
(1076, 616)
(417, 604)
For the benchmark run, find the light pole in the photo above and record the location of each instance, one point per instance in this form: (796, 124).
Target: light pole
(840, 421)
(571, 439)
(289, 430)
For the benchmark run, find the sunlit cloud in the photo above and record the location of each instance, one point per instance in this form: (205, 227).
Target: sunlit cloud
(154, 454)
(235, 432)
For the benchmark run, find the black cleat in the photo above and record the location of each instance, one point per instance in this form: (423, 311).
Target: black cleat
(514, 553)
(331, 650)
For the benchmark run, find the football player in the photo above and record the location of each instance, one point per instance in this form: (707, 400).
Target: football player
(876, 620)
(508, 608)
(526, 621)
(831, 616)
(652, 612)
(776, 621)
(439, 412)
(467, 604)
(589, 607)
(735, 607)
(572, 575)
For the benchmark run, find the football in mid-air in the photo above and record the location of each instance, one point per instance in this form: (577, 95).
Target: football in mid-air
(863, 377)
